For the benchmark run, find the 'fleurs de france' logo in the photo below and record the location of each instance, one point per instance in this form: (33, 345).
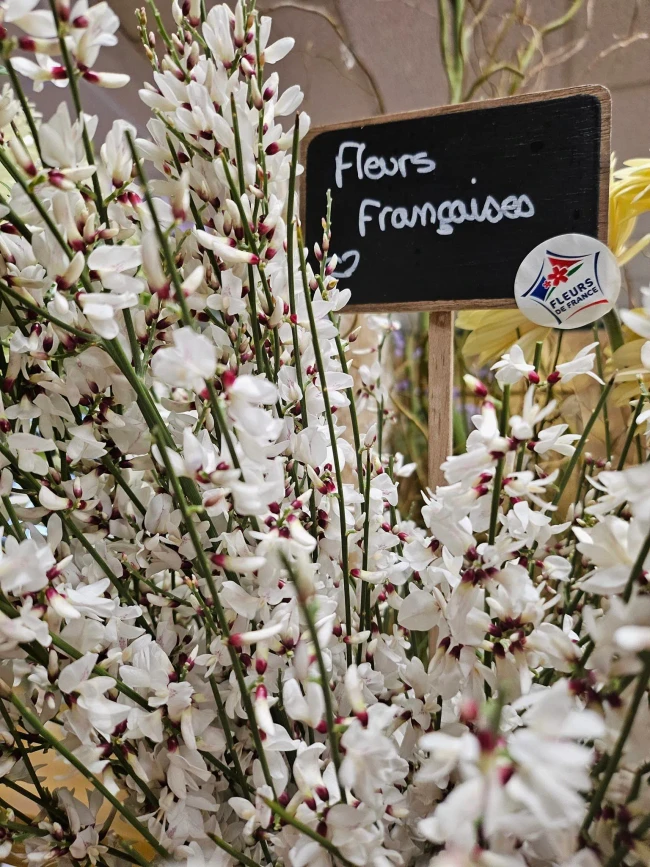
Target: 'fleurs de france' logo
(567, 285)
(567, 282)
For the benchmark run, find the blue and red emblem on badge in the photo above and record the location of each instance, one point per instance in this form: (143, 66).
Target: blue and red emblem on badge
(567, 281)
(567, 285)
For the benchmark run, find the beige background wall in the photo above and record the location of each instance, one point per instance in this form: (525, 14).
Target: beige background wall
(397, 40)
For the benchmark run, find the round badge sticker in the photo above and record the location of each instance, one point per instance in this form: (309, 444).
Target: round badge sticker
(567, 282)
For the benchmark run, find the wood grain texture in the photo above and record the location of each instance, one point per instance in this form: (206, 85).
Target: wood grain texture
(440, 306)
(597, 90)
(441, 383)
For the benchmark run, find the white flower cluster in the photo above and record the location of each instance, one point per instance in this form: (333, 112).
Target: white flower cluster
(209, 605)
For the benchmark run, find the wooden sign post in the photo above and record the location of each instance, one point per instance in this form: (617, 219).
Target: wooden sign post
(435, 210)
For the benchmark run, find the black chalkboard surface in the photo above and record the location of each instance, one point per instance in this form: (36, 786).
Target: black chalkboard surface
(437, 209)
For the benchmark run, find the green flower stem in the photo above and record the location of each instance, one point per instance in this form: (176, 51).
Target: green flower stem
(39, 655)
(188, 145)
(16, 318)
(600, 369)
(260, 358)
(132, 856)
(100, 671)
(18, 813)
(307, 831)
(115, 471)
(260, 124)
(631, 431)
(335, 453)
(9, 530)
(140, 783)
(452, 43)
(365, 615)
(575, 457)
(179, 295)
(44, 797)
(76, 99)
(380, 401)
(537, 362)
(614, 330)
(228, 773)
(15, 220)
(498, 473)
(121, 587)
(136, 352)
(247, 230)
(617, 752)
(196, 214)
(291, 277)
(31, 796)
(238, 149)
(166, 38)
(242, 190)
(354, 419)
(558, 349)
(206, 573)
(149, 409)
(146, 402)
(38, 726)
(230, 743)
(51, 225)
(29, 829)
(307, 610)
(220, 419)
(251, 276)
(5, 289)
(24, 104)
(637, 568)
(15, 523)
(239, 775)
(234, 853)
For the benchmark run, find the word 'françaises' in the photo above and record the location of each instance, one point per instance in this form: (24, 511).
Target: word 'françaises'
(447, 214)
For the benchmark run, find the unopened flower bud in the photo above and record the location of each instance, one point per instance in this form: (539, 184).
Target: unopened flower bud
(180, 197)
(193, 56)
(475, 385)
(39, 46)
(63, 9)
(258, 100)
(22, 157)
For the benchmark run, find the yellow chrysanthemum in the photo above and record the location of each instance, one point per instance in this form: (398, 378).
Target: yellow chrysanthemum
(493, 332)
(629, 197)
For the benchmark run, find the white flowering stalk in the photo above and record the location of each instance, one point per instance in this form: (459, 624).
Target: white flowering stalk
(209, 607)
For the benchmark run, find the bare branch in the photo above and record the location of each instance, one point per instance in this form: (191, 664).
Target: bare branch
(622, 43)
(339, 28)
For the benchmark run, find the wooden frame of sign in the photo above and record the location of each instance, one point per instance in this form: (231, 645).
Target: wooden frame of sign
(555, 144)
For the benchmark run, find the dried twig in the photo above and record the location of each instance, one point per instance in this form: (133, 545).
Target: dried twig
(337, 25)
(616, 46)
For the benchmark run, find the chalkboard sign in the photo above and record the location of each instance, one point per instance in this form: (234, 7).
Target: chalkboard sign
(435, 210)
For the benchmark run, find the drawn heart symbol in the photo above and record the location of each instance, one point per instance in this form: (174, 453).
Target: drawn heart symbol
(351, 254)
